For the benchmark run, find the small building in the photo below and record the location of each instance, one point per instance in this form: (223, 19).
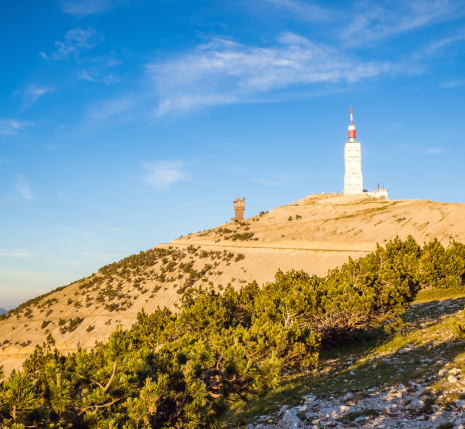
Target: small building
(382, 194)
(239, 207)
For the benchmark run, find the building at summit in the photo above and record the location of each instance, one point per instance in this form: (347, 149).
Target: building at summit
(353, 179)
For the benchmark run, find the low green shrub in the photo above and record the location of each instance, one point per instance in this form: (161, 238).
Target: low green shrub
(182, 369)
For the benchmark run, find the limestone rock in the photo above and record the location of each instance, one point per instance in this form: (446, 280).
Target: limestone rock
(291, 421)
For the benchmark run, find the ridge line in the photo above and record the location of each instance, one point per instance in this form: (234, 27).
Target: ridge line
(269, 247)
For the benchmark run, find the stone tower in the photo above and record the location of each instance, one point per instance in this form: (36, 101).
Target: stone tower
(353, 181)
(239, 207)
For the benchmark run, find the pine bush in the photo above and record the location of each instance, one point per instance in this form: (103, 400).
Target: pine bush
(181, 369)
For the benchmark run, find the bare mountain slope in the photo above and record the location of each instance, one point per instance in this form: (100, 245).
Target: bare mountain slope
(315, 234)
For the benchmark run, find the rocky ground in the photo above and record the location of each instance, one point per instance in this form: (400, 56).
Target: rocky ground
(414, 378)
(385, 407)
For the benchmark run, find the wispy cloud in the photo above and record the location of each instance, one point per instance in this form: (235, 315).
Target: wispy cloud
(162, 174)
(76, 231)
(16, 253)
(82, 8)
(32, 93)
(76, 41)
(22, 187)
(453, 84)
(434, 150)
(15, 189)
(223, 71)
(12, 126)
(101, 111)
(267, 182)
(374, 21)
(305, 11)
(97, 77)
(442, 43)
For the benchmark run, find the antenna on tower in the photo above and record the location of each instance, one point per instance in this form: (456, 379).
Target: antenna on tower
(351, 126)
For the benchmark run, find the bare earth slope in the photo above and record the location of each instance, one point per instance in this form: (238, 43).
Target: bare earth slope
(315, 234)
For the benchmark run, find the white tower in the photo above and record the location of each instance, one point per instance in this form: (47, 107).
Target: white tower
(353, 182)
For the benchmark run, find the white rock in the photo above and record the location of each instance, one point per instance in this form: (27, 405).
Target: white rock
(460, 403)
(283, 409)
(291, 421)
(452, 379)
(347, 396)
(343, 409)
(440, 417)
(309, 397)
(302, 408)
(455, 371)
(420, 390)
(417, 403)
(443, 372)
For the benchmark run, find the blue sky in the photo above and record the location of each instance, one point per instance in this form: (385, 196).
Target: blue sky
(124, 124)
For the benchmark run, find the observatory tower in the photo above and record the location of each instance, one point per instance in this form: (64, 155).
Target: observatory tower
(353, 181)
(239, 207)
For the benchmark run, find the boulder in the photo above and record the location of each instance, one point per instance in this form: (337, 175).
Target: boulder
(416, 403)
(460, 403)
(452, 379)
(291, 421)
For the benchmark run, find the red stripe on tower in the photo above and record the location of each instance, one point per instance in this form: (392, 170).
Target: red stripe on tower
(351, 126)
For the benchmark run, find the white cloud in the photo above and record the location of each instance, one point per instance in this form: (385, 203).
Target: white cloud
(16, 253)
(88, 7)
(18, 190)
(77, 231)
(22, 187)
(32, 93)
(267, 182)
(224, 71)
(12, 126)
(305, 11)
(97, 77)
(377, 21)
(447, 41)
(162, 174)
(76, 41)
(453, 84)
(101, 111)
(434, 150)
(293, 39)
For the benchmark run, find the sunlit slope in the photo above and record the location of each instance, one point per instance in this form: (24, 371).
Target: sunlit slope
(314, 234)
(352, 223)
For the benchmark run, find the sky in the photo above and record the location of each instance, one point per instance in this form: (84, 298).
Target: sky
(128, 123)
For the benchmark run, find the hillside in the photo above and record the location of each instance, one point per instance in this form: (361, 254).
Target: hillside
(315, 234)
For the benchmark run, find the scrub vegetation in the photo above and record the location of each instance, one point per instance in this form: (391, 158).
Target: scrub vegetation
(192, 367)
